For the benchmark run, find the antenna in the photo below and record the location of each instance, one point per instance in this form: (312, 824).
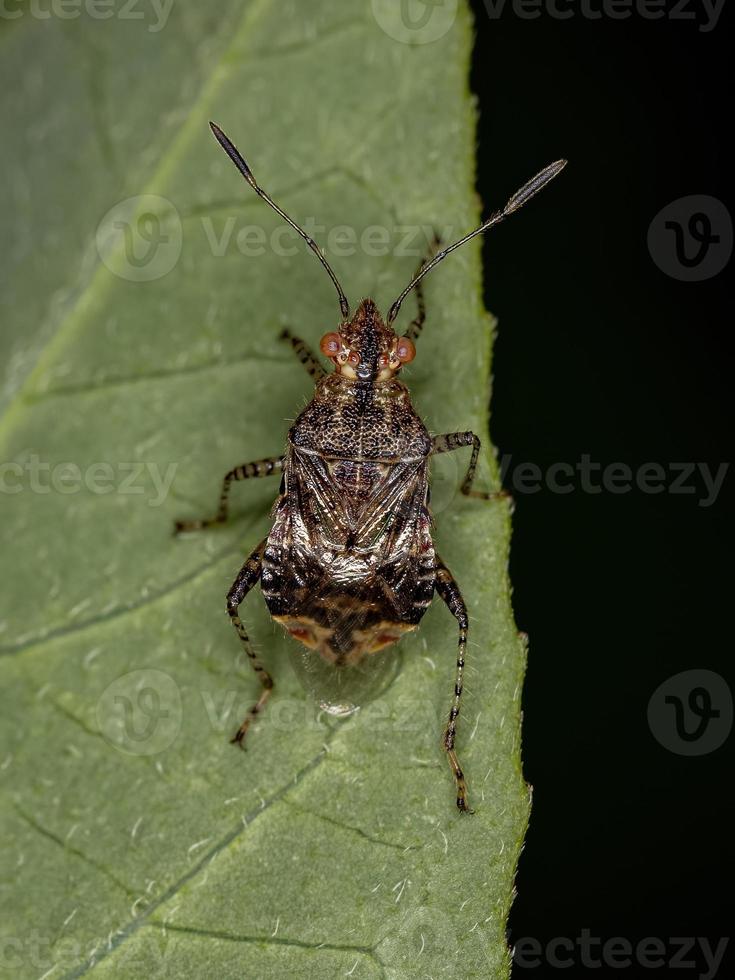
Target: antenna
(234, 154)
(515, 202)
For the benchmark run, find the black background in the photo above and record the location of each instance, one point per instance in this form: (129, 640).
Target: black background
(600, 352)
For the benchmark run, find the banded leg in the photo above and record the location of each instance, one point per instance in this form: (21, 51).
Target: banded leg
(448, 590)
(246, 579)
(417, 324)
(305, 354)
(456, 440)
(261, 467)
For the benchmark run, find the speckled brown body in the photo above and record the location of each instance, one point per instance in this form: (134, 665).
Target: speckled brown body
(349, 563)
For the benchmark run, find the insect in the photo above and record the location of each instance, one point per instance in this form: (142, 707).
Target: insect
(349, 565)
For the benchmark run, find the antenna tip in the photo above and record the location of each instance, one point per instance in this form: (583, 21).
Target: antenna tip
(232, 152)
(552, 170)
(532, 188)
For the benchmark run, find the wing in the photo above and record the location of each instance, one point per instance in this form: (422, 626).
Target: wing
(373, 508)
(349, 562)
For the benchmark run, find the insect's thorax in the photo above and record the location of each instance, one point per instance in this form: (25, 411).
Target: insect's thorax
(352, 421)
(349, 562)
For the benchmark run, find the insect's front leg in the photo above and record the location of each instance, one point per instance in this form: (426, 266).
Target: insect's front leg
(261, 467)
(305, 355)
(448, 590)
(456, 440)
(246, 579)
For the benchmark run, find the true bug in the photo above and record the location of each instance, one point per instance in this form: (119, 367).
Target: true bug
(349, 564)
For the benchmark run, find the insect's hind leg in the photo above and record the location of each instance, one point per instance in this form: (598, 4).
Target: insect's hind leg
(246, 579)
(305, 355)
(448, 590)
(261, 467)
(450, 441)
(417, 324)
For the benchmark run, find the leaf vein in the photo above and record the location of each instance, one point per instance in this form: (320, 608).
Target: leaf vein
(368, 951)
(65, 846)
(29, 641)
(124, 933)
(355, 830)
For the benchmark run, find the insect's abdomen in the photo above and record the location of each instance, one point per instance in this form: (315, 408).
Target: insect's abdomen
(348, 603)
(343, 608)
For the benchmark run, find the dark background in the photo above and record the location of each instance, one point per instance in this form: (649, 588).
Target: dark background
(600, 352)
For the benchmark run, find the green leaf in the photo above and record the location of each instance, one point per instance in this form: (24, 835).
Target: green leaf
(136, 841)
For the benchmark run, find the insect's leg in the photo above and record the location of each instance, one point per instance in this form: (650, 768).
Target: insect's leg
(448, 590)
(261, 467)
(305, 355)
(456, 440)
(417, 324)
(246, 579)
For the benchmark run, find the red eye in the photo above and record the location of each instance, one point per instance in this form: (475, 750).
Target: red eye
(354, 359)
(405, 350)
(330, 344)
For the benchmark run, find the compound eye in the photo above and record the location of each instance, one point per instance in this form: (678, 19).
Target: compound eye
(331, 344)
(354, 359)
(405, 350)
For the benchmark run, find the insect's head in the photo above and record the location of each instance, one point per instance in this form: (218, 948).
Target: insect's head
(365, 349)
